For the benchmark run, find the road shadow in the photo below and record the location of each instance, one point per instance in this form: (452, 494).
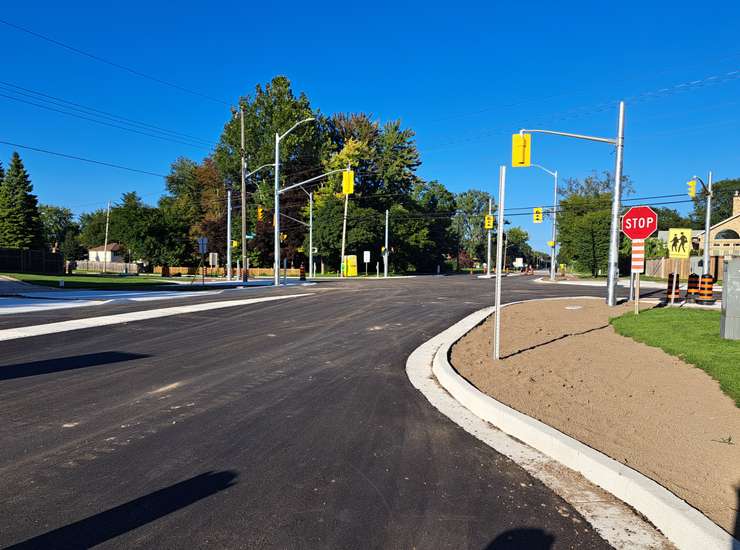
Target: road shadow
(109, 524)
(520, 539)
(48, 366)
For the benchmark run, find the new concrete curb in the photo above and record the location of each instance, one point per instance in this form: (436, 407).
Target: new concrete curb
(682, 524)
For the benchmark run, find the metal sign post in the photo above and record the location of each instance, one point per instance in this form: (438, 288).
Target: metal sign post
(499, 263)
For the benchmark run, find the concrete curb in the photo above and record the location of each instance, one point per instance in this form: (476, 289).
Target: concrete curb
(682, 524)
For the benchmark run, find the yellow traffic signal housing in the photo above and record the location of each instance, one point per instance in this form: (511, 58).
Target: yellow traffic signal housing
(489, 221)
(521, 150)
(348, 182)
(537, 215)
(260, 213)
(283, 236)
(692, 188)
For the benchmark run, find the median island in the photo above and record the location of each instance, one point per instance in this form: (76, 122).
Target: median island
(564, 364)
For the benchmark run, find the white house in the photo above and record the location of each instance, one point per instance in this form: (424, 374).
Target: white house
(110, 254)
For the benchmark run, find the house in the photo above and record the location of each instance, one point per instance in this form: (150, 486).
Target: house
(724, 237)
(110, 253)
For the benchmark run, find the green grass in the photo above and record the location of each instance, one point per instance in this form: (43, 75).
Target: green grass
(99, 282)
(693, 336)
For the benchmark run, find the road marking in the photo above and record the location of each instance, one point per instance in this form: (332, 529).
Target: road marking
(168, 387)
(92, 322)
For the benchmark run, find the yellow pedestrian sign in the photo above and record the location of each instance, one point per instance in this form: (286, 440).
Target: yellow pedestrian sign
(234, 244)
(348, 182)
(488, 223)
(537, 215)
(521, 150)
(679, 242)
(551, 243)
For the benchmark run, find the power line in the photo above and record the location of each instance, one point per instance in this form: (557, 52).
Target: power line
(39, 96)
(112, 63)
(83, 159)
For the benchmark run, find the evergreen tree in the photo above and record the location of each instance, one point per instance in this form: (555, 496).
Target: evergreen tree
(20, 221)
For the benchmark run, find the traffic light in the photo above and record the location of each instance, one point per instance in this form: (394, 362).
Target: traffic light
(260, 213)
(692, 188)
(348, 182)
(283, 236)
(537, 215)
(488, 223)
(521, 150)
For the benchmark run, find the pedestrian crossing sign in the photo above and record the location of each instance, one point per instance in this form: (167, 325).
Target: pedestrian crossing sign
(679, 242)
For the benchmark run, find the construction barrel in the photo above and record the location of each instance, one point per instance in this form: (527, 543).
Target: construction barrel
(670, 292)
(303, 273)
(706, 293)
(692, 289)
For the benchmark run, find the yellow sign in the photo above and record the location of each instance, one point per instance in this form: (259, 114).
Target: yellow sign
(488, 223)
(521, 150)
(679, 242)
(537, 215)
(551, 244)
(692, 188)
(260, 213)
(283, 236)
(348, 182)
(234, 244)
(349, 266)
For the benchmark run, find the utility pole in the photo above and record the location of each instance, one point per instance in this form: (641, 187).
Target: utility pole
(707, 226)
(105, 245)
(342, 266)
(499, 262)
(488, 257)
(228, 228)
(385, 254)
(311, 273)
(613, 275)
(245, 271)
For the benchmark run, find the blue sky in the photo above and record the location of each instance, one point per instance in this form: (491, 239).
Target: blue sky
(463, 76)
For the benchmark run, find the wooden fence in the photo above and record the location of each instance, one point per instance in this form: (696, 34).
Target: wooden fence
(221, 272)
(17, 260)
(109, 267)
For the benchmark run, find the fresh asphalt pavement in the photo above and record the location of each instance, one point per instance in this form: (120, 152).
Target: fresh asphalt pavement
(286, 424)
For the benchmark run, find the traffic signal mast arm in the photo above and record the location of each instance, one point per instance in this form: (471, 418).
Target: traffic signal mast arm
(253, 172)
(707, 191)
(284, 189)
(613, 141)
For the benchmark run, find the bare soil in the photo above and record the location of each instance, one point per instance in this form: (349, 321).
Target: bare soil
(563, 364)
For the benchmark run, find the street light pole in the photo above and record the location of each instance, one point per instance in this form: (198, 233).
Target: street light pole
(613, 275)
(278, 137)
(245, 271)
(708, 226)
(554, 174)
(228, 229)
(499, 263)
(342, 266)
(385, 254)
(488, 254)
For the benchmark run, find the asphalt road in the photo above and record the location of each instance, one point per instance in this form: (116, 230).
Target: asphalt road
(286, 424)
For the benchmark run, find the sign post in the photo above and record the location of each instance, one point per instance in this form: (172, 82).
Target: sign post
(638, 224)
(202, 249)
(366, 259)
(679, 246)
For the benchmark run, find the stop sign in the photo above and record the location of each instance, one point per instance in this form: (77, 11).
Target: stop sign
(639, 222)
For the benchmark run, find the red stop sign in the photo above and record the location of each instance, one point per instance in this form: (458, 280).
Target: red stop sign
(639, 222)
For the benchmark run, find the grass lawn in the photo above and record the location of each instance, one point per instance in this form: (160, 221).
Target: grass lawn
(101, 282)
(692, 335)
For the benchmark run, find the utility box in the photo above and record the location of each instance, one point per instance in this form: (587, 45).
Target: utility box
(729, 327)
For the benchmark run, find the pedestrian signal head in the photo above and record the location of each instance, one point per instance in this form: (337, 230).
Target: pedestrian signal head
(692, 188)
(488, 223)
(521, 150)
(260, 213)
(537, 215)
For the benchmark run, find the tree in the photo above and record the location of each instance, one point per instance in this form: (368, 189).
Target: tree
(55, 222)
(722, 193)
(668, 217)
(20, 222)
(472, 206)
(517, 245)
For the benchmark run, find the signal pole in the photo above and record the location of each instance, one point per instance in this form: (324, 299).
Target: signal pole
(499, 262)
(105, 245)
(708, 225)
(385, 254)
(488, 261)
(342, 266)
(228, 228)
(613, 275)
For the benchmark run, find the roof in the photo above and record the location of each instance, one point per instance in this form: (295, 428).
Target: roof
(716, 225)
(112, 247)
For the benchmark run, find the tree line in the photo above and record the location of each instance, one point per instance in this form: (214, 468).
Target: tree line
(429, 225)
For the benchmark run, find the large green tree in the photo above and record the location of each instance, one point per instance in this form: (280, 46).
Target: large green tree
(722, 193)
(56, 221)
(20, 221)
(472, 206)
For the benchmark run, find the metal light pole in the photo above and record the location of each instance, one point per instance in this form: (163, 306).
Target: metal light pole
(105, 244)
(342, 267)
(618, 142)
(613, 275)
(554, 174)
(707, 220)
(310, 232)
(228, 228)
(488, 254)
(245, 271)
(385, 254)
(278, 137)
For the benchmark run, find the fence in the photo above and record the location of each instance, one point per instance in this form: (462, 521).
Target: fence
(17, 260)
(661, 267)
(221, 272)
(109, 267)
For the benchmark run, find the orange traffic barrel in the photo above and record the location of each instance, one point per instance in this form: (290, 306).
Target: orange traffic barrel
(706, 295)
(302, 273)
(670, 292)
(692, 289)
